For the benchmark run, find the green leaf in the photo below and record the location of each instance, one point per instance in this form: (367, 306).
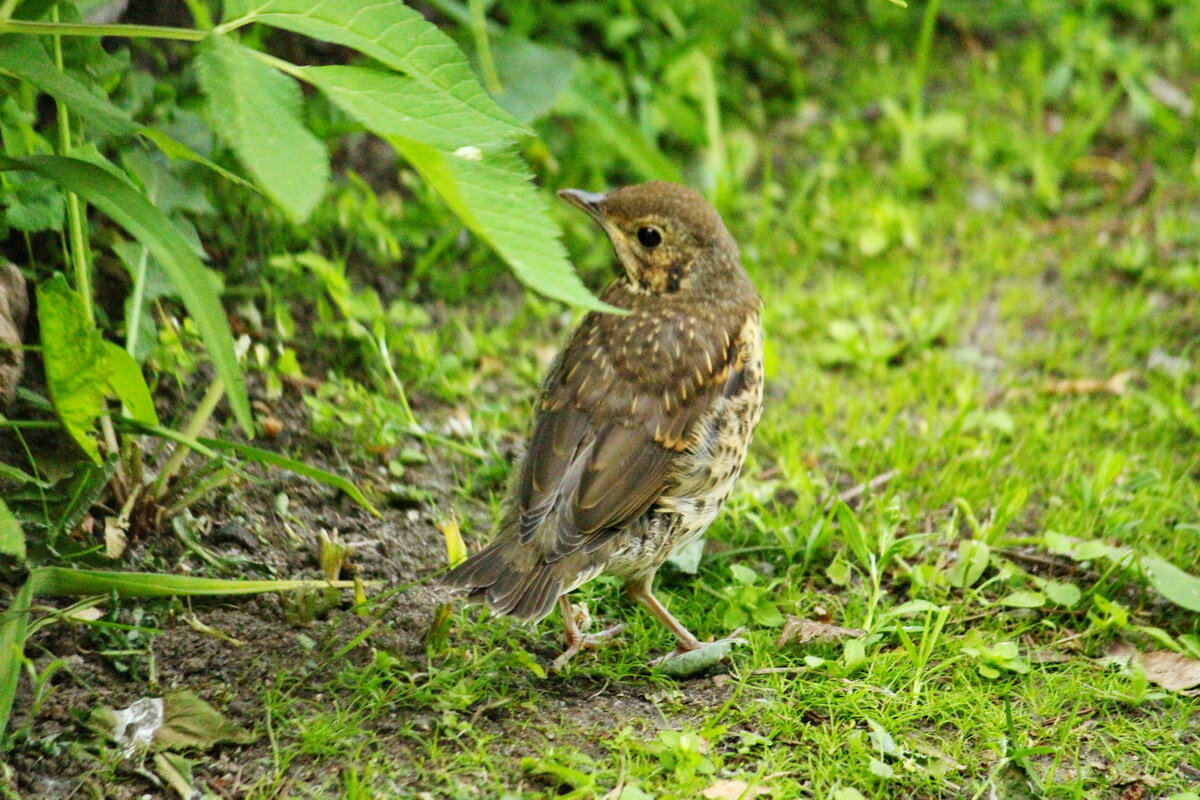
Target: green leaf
(399, 37)
(20, 476)
(25, 57)
(31, 204)
(188, 721)
(533, 75)
(62, 581)
(973, 558)
(395, 105)
(12, 538)
(492, 197)
(134, 213)
(82, 369)
(853, 533)
(127, 382)
(1061, 593)
(256, 110)
(174, 149)
(1173, 583)
(847, 793)
(298, 467)
(1023, 599)
(13, 626)
(75, 358)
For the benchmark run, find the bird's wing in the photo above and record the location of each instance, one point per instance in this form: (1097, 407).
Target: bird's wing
(602, 451)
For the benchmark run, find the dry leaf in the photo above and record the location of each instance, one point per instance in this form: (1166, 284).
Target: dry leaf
(1117, 384)
(14, 307)
(188, 721)
(89, 614)
(115, 537)
(200, 626)
(799, 631)
(1134, 791)
(271, 426)
(733, 790)
(1171, 670)
(1120, 653)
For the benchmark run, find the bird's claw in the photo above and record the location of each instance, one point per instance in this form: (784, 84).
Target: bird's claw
(588, 641)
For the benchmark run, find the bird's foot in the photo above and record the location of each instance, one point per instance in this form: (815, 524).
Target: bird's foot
(691, 658)
(588, 641)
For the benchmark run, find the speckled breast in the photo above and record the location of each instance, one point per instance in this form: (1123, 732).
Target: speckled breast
(706, 473)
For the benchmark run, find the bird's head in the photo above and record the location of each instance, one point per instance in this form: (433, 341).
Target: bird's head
(667, 237)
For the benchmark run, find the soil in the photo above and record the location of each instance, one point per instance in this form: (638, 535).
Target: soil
(58, 756)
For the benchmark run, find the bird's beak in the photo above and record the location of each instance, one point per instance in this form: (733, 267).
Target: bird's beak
(587, 201)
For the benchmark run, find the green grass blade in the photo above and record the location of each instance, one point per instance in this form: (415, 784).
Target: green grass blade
(298, 467)
(63, 581)
(132, 211)
(174, 149)
(13, 625)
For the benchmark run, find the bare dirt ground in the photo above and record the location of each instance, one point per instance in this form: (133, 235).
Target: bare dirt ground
(231, 652)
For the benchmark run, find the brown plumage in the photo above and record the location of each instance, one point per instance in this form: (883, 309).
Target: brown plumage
(642, 422)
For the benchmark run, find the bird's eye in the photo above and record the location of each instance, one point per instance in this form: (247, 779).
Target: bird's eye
(649, 237)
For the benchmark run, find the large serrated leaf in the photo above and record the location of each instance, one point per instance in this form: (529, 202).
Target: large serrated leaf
(299, 467)
(174, 149)
(395, 105)
(133, 212)
(492, 197)
(256, 110)
(400, 38)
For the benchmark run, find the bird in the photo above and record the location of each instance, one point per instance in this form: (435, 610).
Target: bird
(641, 424)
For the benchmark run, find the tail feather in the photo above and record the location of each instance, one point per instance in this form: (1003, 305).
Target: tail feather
(490, 576)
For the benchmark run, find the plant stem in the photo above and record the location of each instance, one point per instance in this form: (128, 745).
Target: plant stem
(483, 47)
(924, 44)
(135, 311)
(199, 418)
(386, 357)
(87, 29)
(75, 221)
(718, 157)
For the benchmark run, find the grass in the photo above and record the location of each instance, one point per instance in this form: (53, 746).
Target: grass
(940, 337)
(943, 334)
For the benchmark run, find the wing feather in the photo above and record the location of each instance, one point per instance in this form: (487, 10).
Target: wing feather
(593, 465)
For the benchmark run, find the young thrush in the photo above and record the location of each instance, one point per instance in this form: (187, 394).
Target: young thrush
(642, 422)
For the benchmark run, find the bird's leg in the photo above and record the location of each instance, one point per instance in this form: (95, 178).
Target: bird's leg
(576, 639)
(640, 590)
(707, 654)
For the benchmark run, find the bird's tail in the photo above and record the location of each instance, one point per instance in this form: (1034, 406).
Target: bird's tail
(495, 576)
